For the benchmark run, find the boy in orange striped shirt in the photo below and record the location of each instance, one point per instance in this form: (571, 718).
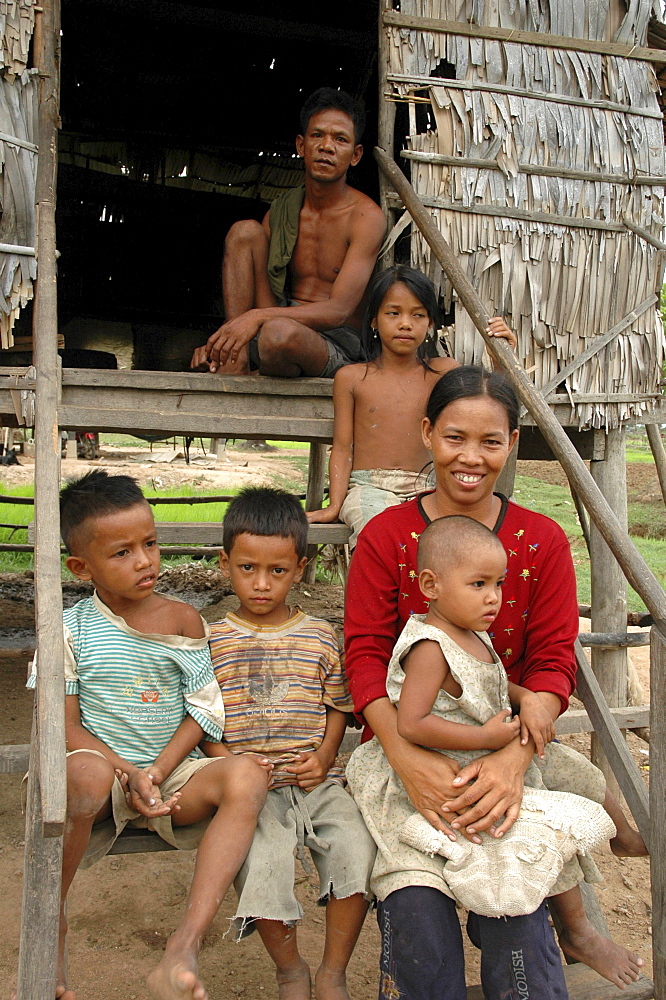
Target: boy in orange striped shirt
(286, 699)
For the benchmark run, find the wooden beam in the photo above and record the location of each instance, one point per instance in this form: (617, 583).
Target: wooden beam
(625, 770)
(576, 720)
(524, 37)
(522, 214)
(50, 693)
(609, 587)
(658, 809)
(636, 570)
(534, 169)
(317, 467)
(584, 984)
(483, 86)
(614, 640)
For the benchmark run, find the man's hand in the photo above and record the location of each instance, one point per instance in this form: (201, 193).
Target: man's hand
(498, 732)
(310, 769)
(144, 796)
(495, 791)
(535, 721)
(226, 344)
(327, 515)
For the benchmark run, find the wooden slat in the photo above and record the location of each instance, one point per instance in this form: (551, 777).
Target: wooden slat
(614, 640)
(209, 533)
(584, 984)
(576, 720)
(613, 744)
(524, 37)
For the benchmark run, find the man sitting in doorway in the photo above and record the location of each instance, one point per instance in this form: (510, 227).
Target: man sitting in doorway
(293, 285)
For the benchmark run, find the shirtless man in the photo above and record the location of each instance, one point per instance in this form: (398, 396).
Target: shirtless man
(312, 329)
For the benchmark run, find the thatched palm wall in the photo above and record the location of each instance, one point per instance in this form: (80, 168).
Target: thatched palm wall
(559, 286)
(18, 161)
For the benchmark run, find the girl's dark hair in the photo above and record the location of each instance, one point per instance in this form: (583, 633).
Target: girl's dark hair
(467, 382)
(420, 286)
(262, 510)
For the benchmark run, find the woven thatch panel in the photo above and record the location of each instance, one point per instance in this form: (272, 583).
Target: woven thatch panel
(559, 286)
(17, 20)
(18, 169)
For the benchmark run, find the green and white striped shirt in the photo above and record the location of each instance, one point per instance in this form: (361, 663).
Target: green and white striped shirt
(134, 690)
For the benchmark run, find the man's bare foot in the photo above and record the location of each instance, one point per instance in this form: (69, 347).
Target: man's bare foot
(294, 984)
(610, 960)
(330, 985)
(629, 844)
(241, 366)
(177, 978)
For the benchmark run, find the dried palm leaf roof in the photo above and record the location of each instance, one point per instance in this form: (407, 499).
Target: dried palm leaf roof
(548, 250)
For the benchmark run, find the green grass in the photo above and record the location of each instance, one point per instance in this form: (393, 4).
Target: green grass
(555, 501)
(647, 522)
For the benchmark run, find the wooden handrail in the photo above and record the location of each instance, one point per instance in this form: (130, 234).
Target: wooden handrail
(637, 572)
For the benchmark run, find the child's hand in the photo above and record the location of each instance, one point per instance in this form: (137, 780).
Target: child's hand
(144, 796)
(536, 722)
(498, 733)
(327, 515)
(310, 769)
(498, 328)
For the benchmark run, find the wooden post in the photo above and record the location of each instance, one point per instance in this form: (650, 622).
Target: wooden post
(658, 453)
(385, 125)
(40, 910)
(314, 497)
(507, 478)
(658, 808)
(609, 587)
(46, 816)
(637, 572)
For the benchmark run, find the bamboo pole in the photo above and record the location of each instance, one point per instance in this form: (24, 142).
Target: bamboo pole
(659, 454)
(385, 125)
(537, 169)
(46, 782)
(636, 571)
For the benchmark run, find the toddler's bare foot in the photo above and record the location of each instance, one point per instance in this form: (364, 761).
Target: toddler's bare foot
(609, 959)
(177, 977)
(330, 984)
(294, 983)
(62, 993)
(629, 844)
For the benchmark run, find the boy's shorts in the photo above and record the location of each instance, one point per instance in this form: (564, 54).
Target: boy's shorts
(325, 820)
(105, 834)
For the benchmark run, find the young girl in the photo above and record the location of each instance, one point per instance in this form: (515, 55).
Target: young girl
(379, 404)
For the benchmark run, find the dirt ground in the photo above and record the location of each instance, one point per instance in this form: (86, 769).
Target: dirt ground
(123, 909)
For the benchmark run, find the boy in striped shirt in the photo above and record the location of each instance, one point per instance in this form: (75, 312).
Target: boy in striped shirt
(286, 699)
(140, 697)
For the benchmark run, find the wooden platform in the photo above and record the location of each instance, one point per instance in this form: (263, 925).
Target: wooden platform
(202, 405)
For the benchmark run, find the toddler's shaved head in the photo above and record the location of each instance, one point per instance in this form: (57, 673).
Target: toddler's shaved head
(449, 541)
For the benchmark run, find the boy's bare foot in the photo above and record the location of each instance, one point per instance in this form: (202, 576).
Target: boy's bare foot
(629, 844)
(294, 984)
(61, 990)
(177, 978)
(330, 985)
(609, 959)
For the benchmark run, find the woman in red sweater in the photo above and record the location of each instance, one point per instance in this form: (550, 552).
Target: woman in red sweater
(470, 427)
